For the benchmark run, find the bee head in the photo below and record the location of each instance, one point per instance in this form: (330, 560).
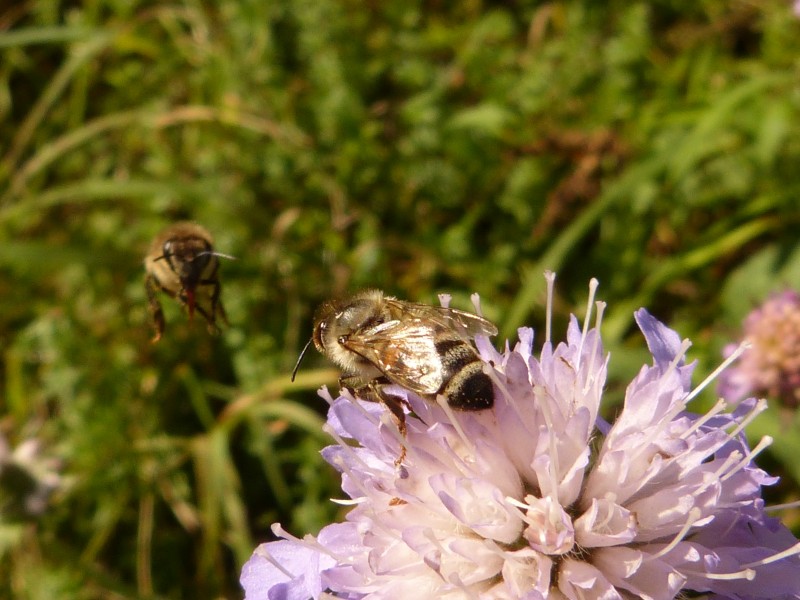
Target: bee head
(336, 320)
(188, 258)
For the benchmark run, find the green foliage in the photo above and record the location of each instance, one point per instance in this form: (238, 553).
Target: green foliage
(333, 145)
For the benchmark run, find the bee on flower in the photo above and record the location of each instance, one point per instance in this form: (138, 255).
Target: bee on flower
(539, 497)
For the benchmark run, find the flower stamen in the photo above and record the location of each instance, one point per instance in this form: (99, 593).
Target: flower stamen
(593, 285)
(791, 551)
(698, 423)
(716, 372)
(441, 400)
(345, 446)
(765, 442)
(590, 374)
(691, 519)
(759, 407)
(550, 277)
(748, 574)
(264, 553)
(776, 507)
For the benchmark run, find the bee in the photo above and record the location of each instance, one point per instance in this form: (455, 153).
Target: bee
(182, 263)
(379, 340)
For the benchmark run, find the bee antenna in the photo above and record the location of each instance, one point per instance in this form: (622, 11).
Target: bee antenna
(218, 254)
(300, 358)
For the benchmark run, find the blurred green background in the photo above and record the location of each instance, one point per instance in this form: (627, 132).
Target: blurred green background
(332, 145)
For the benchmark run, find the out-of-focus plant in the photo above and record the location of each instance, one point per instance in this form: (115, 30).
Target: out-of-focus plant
(331, 146)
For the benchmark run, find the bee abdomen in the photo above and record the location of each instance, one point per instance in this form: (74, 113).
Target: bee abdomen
(466, 386)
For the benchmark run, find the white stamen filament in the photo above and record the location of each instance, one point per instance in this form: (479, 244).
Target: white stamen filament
(265, 553)
(476, 302)
(759, 407)
(685, 345)
(729, 461)
(590, 374)
(691, 519)
(341, 464)
(347, 448)
(525, 508)
(517, 503)
(550, 277)
(444, 300)
(441, 400)
(601, 309)
(715, 373)
(309, 541)
(791, 551)
(368, 415)
(544, 406)
(748, 574)
(327, 396)
(510, 399)
(348, 501)
(280, 532)
(714, 411)
(765, 442)
(776, 507)
(593, 283)
(390, 423)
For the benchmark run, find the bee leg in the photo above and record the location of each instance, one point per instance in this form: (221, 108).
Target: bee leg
(216, 301)
(216, 304)
(156, 312)
(395, 406)
(372, 391)
(212, 325)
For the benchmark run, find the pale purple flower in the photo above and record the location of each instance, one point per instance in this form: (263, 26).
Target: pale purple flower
(539, 497)
(27, 479)
(771, 366)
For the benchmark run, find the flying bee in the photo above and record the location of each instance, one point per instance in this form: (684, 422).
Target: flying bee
(182, 263)
(379, 340)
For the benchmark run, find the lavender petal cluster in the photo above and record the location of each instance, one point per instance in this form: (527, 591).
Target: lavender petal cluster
(539, 497)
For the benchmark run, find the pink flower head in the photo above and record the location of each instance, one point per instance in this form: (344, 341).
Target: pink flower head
(538, 497)
(771, 366)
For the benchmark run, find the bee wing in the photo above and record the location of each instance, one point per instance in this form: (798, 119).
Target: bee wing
(404, 351)
(465, 323)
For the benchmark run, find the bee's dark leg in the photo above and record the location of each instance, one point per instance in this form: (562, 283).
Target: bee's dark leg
(152, 287)
(216, 301)
(395, 406)
(212, 326)
(372, 391)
